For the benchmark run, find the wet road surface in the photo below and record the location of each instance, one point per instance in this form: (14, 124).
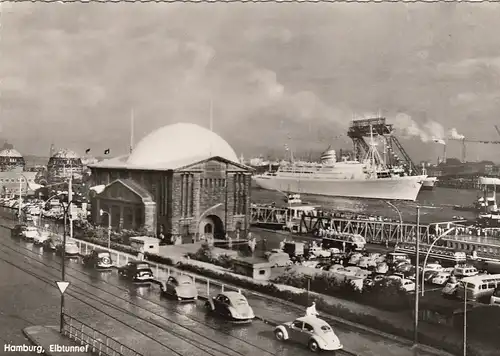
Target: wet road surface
(136, 316)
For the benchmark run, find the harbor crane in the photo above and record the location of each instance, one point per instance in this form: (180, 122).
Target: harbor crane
(465, 141)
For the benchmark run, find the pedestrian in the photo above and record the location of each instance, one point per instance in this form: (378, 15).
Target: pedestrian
(387, 243)
(343, 246)
(311, 311)
(229, 242)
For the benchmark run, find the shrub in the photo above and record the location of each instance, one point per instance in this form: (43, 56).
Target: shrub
(205, 254)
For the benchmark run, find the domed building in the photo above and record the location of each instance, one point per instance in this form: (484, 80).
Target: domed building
(63, 164)
(181, 180)
(11, 160)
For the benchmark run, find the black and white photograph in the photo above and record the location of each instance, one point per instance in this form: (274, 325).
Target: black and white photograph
(249, 178)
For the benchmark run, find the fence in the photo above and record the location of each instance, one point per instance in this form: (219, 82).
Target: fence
(98, 342)
(206, 286)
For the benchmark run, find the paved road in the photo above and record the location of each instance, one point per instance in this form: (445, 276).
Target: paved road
(161, 324)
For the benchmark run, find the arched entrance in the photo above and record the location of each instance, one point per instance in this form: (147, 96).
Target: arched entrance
(212, 225)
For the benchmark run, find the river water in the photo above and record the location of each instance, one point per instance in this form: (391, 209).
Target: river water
(436, 205)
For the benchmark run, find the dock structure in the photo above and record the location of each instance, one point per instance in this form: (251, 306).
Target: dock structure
(268, 215)
(371, 230)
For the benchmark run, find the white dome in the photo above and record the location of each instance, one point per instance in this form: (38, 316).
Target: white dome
(10, 152)
(178, 142)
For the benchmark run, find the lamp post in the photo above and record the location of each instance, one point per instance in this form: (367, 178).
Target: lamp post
(20, 203)
(66, 210)
(101, 213)
(400, 220)
(417, 256)
(465, 318)
(203, 214)
(428, 252)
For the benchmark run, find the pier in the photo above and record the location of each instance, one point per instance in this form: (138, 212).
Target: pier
(372, 231)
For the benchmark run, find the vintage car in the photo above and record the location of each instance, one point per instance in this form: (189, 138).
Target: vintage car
(136, 271)
(451, 288)
(41, 237)
(181, 287)
(231, 305)
(99, 259)
(311, 331)
(30, 233)
(18, 230)
(71, 249)
(52, 243)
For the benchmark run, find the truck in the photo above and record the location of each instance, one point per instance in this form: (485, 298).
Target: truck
(294, 249)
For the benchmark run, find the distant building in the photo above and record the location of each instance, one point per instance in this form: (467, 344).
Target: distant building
(63, 164)
(180, 180)
(10, 160)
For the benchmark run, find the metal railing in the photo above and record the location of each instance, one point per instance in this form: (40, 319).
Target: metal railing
(98, 343)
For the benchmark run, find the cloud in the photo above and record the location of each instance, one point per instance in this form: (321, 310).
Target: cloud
(268, 33)
(455, 135)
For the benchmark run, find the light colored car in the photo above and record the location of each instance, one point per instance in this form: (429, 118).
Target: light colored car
(319, 252)
(407, 285)
(30, 233)
(311, 331)
(336, 268)
(450, 289)
(355, 257)
(350, 271)
(71, 249)
(41, 237)
(382, 268)
(441, 278)
(181, 287)
(434, 267)
(364, 262)
(231, 305)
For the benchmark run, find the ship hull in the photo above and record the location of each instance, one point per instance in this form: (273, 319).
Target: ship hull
(429, 183)
(399, 188)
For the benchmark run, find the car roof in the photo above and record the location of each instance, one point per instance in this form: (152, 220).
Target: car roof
(137, 262)
(100, 250)
(233, 295)
(314, 321)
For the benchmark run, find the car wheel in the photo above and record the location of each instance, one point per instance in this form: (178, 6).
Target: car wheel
(313, 346)
(279, 335)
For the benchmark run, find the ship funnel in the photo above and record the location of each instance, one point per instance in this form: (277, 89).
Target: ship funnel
(329, 157)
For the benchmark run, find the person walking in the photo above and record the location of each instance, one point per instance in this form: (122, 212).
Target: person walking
(311, 311)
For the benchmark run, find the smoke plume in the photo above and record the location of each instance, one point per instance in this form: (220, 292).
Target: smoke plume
(455, 135)
(430, 130)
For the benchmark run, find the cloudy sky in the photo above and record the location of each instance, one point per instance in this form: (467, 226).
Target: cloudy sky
(72, 73)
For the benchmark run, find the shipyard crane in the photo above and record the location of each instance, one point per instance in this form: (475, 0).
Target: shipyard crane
(464, 141)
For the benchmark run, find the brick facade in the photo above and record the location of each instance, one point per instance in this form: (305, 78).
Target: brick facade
(186, 197)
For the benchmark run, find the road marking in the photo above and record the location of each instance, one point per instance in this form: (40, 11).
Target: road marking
(62, 286)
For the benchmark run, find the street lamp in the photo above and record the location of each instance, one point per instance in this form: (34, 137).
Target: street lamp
(202, 215)
(101, 213)
(465, 318)
(417, 257)
(400, 220)
(429, 251)
(66, 211)
(20, 203)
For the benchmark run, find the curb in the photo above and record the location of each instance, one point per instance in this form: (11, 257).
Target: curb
(338, 320)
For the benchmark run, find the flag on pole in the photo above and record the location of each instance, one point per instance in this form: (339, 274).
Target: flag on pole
(87, 151)
(106, 151)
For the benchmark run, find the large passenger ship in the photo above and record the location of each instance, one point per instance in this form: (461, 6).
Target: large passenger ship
(370, 178)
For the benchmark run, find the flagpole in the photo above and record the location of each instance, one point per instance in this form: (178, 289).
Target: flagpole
(131, 130)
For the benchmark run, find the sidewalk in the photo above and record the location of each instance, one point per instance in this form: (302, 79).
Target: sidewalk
(53, 343)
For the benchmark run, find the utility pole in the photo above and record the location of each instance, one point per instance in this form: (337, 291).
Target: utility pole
(417, 294)
(63, 252)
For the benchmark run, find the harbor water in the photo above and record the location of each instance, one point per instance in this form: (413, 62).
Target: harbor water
(436, 205)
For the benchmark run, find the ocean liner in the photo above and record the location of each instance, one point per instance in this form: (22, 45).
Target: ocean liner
(370, 178)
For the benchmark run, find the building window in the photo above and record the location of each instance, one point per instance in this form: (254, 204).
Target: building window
(139, 220)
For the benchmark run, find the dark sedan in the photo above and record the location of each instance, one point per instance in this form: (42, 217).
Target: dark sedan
(99, 259)
(136, 271)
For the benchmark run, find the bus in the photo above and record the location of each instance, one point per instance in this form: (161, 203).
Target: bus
(478, 287)
(351, 242)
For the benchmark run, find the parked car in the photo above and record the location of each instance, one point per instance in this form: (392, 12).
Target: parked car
(52, 243)
(30, 233)
(319, 252)
(434, 267)
(381, 268)
(407, 285)
(429, 276)
(71, 249)
(441, 278)
(231, 305)
(136, 271)
(354, 259)
(18, 230)
(41, 237)
(99, 259)
(350, 271)
(311, 331)
(451, 288)
(181, 287)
